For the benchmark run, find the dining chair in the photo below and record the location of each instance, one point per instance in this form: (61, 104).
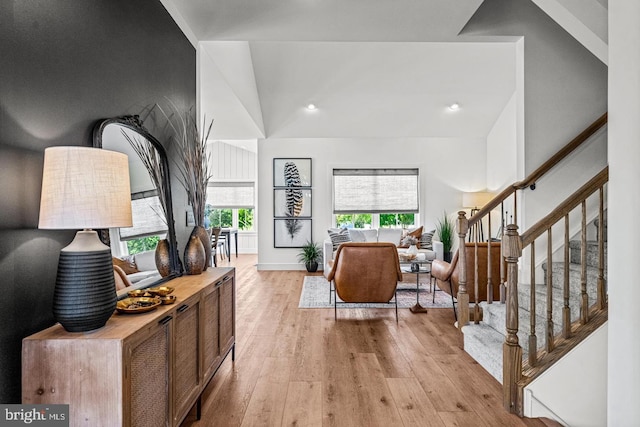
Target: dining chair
(217, 245)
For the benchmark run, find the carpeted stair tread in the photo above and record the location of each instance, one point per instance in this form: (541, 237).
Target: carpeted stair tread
(495, 316)
(592, 252)
(484, 344)
(575, 275)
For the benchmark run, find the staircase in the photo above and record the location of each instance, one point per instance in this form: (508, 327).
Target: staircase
(534, 327)
(484, 341)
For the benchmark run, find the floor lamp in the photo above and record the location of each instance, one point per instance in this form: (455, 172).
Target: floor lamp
(475, 201)
(84, 188)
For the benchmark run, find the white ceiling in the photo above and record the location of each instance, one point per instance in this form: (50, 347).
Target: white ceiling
(385, 68)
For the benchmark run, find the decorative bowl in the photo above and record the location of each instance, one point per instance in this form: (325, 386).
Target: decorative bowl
(137, 293)
(162, 291)
(168, 299)
(406, 257)
(137, 305)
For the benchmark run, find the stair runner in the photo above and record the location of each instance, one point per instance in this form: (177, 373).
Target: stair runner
(484, 341)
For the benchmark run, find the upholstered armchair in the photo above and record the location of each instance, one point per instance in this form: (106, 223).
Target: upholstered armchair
(447, 275)
(365, 273)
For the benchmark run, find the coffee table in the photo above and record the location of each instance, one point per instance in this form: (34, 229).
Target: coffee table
(423, 267)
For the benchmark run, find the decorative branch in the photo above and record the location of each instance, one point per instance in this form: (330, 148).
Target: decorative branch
(194, 159)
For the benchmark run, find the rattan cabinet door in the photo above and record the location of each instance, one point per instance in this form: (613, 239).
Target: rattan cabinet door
(210, 336)
(186, 368)
(227, 313)
(148, 376)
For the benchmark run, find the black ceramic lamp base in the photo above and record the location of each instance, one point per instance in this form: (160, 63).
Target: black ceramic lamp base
(85, 292)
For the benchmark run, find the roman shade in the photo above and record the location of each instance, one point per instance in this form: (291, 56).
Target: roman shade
(375, 190)
(231, 195)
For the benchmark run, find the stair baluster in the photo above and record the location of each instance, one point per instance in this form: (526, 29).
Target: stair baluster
(601, 296)
(584, 306)
(533, 339)
(476, 286)
(489, 281)
(566, 310)
(549, 334)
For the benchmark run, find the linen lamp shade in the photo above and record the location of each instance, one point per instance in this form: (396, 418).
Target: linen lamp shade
(475, 199)
(84, 188)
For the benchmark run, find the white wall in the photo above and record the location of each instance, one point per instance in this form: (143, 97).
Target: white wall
(447, 168)
(502, 149)
(624, 203)
(574, 390)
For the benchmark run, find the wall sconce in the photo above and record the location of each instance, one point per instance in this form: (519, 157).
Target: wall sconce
(84, 188)
(475, 201)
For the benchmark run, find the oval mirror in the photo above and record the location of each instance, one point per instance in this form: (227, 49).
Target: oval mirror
(134, 248)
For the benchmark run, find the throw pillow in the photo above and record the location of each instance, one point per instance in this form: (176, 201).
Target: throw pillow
(415, 233)
(126, 265)
(426, 240)
(338, 237)
(356, 236)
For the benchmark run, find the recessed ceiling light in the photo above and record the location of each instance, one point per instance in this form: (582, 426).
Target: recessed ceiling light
(454, 107)
(312, 107)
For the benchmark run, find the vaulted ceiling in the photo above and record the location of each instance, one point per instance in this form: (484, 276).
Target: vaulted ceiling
(387, 68)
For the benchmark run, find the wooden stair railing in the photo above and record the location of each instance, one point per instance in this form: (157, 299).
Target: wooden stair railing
(464, 224)
(516, 374)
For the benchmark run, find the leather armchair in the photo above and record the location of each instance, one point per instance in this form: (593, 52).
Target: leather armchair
(447, 275)
(366, 273)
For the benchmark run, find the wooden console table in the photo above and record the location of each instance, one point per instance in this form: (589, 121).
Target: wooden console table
(146, 369)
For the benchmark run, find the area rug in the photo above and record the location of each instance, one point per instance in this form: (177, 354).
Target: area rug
(315, 294)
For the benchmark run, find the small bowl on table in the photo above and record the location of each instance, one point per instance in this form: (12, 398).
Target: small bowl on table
(167, 299)
(137, 293)
(161, 291)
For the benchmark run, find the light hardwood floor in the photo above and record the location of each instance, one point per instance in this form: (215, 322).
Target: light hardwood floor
(300, 367)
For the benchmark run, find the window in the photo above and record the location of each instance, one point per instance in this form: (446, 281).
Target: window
(231, 204)
(397, 220)
(375, 191)
(364, 198)
(354, 220)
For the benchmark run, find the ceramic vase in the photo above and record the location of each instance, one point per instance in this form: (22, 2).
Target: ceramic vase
(205, 238)
(163, 263)
(412, 250)
(194, 257)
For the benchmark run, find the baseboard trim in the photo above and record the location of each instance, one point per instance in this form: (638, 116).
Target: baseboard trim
(288, 266)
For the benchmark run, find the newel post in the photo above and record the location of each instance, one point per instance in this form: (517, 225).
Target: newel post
(463, 296)
(511, 350)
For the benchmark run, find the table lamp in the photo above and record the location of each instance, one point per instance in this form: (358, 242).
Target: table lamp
(475, 201)
(84, 188)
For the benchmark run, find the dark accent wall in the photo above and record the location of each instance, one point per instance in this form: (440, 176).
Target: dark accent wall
(64, 65)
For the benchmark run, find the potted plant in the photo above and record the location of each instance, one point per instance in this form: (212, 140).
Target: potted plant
(446, 231)
(310, 254)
